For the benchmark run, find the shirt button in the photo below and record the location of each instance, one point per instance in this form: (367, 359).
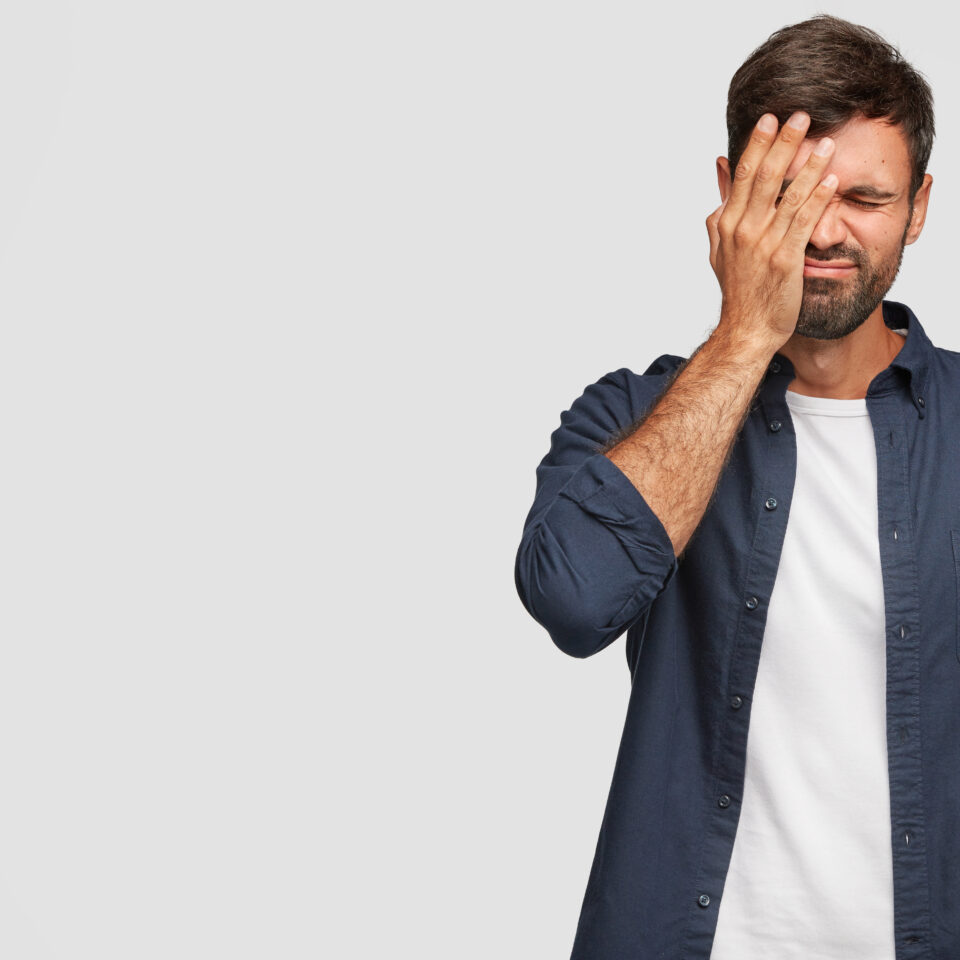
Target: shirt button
(920, 401)
(703, 900)
(771, 503)
(724, 801)
(752, 603)
(775, 425)
(736, 702)
(775, 366)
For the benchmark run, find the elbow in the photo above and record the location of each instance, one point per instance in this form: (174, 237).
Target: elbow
(581, 640)
(581, 615)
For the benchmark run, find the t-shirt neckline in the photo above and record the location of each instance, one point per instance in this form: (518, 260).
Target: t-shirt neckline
(830, 406)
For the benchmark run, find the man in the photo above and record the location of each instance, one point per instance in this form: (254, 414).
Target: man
(775, 524)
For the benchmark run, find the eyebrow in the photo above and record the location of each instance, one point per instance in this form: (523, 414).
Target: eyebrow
(861, 189)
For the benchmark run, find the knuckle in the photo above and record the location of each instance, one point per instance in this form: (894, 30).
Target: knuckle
(741, 233)
(744, 170)
(802, 219)
(792, 198)
(764, 172)
(780, 260)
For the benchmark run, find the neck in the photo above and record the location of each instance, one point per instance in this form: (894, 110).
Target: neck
(842, 369)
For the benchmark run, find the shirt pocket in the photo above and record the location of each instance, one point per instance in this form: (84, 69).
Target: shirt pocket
(955, 540)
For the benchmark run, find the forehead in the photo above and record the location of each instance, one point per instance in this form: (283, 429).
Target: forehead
(866, 151)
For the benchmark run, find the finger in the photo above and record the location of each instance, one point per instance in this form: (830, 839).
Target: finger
(769, 176)
(764, 134)
(800, 190)
(806, 218)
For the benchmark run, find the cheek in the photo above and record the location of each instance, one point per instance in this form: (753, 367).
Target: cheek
(884, 238)
(879, 243)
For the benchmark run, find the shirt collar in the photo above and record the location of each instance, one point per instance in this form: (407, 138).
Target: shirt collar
(914, 357)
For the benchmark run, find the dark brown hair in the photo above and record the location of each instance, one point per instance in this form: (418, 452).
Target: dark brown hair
(834, 70)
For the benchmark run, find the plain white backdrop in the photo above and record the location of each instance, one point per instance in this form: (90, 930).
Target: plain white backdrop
(293, 296)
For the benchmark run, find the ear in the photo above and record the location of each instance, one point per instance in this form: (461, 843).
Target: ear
(920, 200)
(724, 180)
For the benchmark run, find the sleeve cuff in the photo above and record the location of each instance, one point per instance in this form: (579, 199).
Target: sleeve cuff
(603, 490)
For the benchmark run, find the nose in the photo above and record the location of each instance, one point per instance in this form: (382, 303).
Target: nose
(830, 229)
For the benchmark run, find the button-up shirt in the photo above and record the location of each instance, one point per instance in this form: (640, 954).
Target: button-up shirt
(595, 561)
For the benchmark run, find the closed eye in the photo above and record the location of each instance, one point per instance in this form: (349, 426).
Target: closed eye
(859, 203)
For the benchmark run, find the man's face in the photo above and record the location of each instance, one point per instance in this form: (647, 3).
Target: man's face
(865, 226)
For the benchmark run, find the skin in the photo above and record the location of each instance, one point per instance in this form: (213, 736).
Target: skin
(756, 251)
(840, 342)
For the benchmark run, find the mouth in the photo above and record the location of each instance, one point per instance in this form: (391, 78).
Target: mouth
(827, 268)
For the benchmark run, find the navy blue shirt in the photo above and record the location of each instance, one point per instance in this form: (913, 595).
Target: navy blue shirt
(595, 561)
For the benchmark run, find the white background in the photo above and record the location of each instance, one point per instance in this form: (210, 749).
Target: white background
(293, 296)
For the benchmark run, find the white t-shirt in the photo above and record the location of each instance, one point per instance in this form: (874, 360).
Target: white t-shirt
(811, 872)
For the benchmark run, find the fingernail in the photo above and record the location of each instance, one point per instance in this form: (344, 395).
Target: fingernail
(823, 147)
(798, 120)
(768, 123)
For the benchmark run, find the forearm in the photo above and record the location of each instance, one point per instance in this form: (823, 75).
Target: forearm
(593, 555)
(677, 453)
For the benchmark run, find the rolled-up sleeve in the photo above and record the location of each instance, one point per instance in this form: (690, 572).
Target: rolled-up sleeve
(593, 555)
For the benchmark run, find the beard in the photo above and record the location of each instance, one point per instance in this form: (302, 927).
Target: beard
(833, 307)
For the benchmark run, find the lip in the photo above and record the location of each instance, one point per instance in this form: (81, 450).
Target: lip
(825, 268)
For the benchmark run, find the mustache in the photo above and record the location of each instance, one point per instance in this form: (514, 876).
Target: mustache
(836, 255)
